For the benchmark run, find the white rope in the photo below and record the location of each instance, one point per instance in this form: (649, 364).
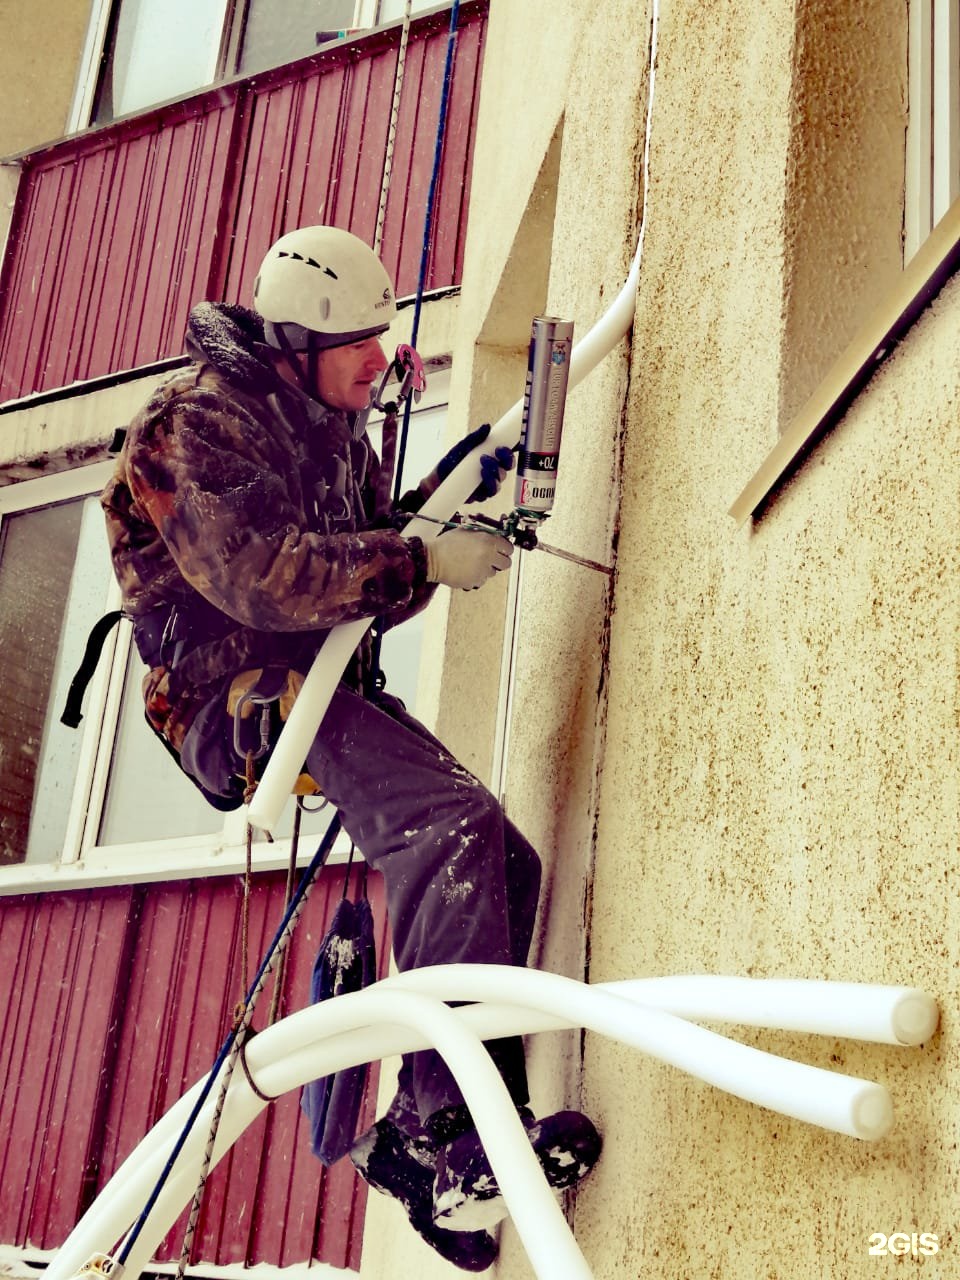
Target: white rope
(392, 130)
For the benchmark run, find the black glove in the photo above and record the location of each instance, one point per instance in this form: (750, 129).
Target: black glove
(493, 467)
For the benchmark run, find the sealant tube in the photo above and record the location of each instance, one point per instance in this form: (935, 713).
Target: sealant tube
(405, 1013)
(286, 761)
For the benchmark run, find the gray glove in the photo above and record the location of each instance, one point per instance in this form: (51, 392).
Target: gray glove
(466, 558)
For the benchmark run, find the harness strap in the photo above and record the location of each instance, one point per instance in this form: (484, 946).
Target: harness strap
(72, 713)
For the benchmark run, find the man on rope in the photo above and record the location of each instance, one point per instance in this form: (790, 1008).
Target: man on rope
(248, 514)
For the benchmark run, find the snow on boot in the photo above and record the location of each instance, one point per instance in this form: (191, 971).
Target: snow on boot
(383, 1159)
(465, 1193)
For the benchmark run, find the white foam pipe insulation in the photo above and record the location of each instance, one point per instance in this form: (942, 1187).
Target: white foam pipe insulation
(404, 1013)
(286, 760)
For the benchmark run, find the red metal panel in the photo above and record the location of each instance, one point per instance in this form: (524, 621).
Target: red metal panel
(270, 1200)
(115, 248)
(61, 956)
(450, 233)
(366, 126)
(317, 145)
(271, 174)
(163, 961)
(27, 304)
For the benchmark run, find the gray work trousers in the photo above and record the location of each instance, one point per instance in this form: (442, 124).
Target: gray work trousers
(462, 884)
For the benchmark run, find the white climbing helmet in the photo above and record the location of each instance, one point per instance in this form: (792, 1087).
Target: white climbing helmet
(322, 287)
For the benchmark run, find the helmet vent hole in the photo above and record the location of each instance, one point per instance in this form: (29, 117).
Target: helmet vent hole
(310, 262)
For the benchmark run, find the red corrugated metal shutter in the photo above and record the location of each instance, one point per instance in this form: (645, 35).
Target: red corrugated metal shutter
(117, 246)
(159, 967)
(118, 232)
(61, 956)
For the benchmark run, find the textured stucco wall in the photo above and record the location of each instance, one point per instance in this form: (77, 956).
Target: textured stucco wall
(39, 57)
(779, 793)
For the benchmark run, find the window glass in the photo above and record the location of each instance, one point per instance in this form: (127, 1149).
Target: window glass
(148, 797)
(933, 121)
(400, 650)
(278, 31)
(158, 49)
(155, 50)
(37, 563)
(392, 10)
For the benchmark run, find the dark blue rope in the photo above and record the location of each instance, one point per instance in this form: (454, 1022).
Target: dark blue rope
(428, 229)
(323, 850)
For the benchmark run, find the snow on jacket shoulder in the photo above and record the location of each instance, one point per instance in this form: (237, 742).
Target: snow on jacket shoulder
(249, 507)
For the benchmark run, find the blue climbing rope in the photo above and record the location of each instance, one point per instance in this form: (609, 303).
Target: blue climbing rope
(428, 227)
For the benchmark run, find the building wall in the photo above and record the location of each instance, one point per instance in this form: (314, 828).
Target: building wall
(779, 792)
(39, 59)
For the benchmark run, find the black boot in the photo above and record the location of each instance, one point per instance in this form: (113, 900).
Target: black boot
(465, 1194)
(400, 1168)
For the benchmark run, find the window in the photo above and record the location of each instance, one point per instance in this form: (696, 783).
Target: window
(106, 801)
(933, 132)
(38, 562)
(142, 52)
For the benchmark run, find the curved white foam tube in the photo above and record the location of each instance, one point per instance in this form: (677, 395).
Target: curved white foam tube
(364, 1026)
(851, 1010)
(536, 1213)
(844, 1104)
(286, 761)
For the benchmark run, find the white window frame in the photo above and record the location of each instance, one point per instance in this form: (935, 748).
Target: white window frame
(932, 179)
(366, 16)
(84, 864)
(81, 862)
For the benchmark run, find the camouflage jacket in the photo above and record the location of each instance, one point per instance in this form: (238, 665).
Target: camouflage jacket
(244, 521)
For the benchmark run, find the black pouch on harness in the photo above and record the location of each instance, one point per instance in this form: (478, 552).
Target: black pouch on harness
(346, 961)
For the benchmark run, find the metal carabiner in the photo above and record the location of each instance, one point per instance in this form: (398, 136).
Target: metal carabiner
(408, 369)
(263, 728)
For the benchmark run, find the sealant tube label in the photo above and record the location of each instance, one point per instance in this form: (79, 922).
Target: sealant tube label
(544, 401)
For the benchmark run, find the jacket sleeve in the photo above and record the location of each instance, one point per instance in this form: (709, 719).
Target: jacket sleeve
(226, 501)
